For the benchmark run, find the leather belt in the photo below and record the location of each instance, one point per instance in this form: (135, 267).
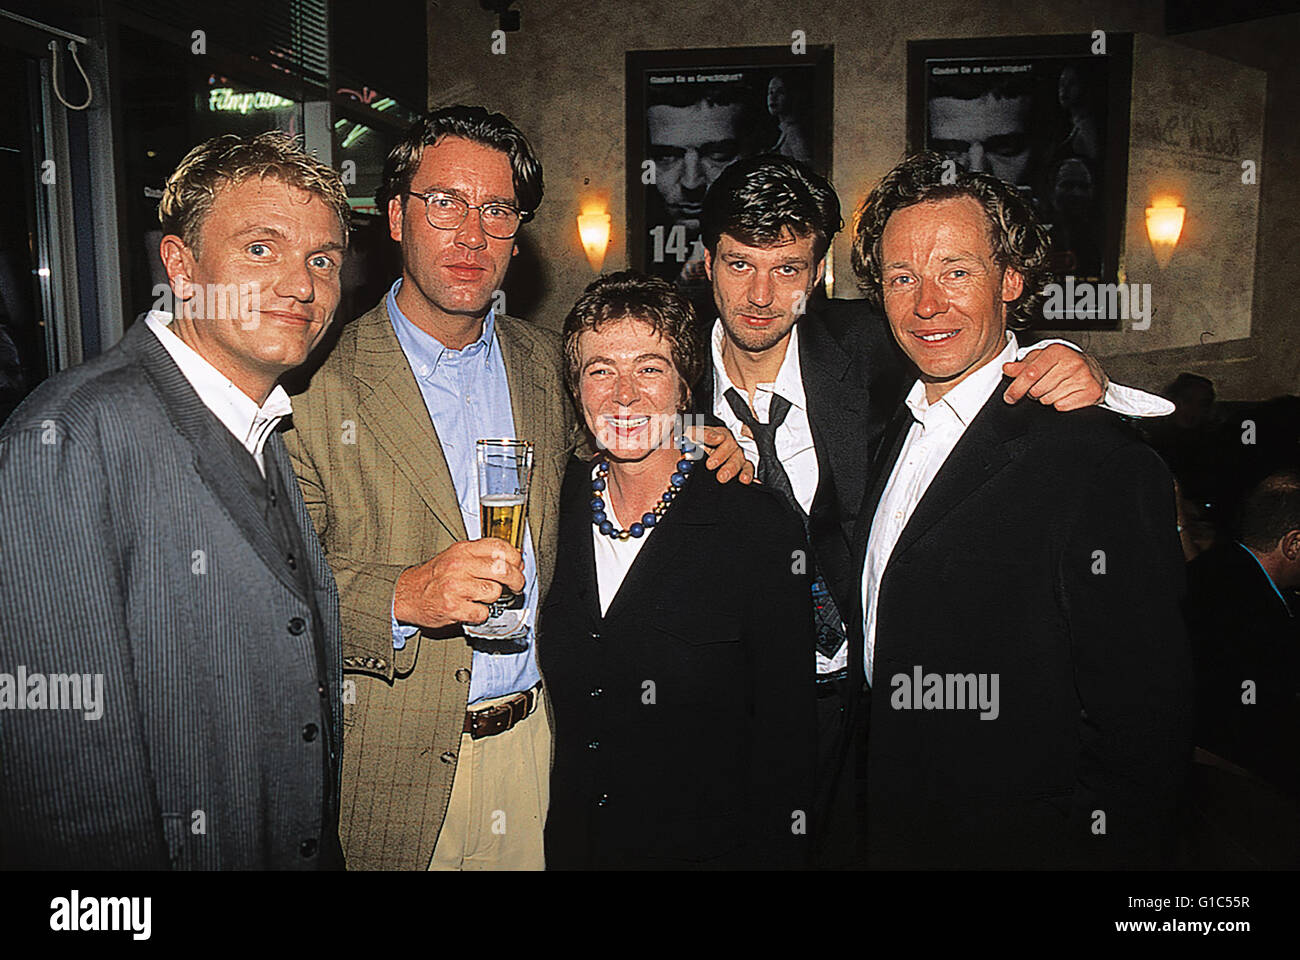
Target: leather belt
(500, 717)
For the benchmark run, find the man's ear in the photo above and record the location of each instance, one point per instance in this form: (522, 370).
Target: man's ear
(1291, 545)
(708, 264)
(178, 261)
(514, 249)
(821, 270)
(395, 218)
(1013, 285)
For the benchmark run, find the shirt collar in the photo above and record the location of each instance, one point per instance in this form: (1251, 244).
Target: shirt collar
(966, 399)
(789, 379)
(426, 352)
(251, 424)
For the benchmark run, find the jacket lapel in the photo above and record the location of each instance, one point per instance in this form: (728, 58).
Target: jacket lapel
(394, 412)
(882, 465)
(576, 540)
(213, 457)
(987, 445)
(837, 408)
(675, 530)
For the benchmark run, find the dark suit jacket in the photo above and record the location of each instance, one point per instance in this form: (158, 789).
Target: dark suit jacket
(131, 546)
(684, 717)
(1242, 630)
(999, 571)
(853, 378)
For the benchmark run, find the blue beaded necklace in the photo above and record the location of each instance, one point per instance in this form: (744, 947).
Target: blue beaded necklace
(606, 526)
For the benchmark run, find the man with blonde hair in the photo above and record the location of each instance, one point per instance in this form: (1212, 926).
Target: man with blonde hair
(170, 666)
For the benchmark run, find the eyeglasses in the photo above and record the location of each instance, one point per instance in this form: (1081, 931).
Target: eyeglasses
(446, 211)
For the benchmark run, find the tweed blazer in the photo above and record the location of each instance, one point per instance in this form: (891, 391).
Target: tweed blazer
(131, 547)
(379, 491)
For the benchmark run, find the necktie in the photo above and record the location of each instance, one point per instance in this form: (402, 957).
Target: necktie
(831, 634)
(771, 471)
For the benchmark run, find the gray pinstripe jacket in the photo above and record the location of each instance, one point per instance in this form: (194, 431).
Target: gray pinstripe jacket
(132, 548)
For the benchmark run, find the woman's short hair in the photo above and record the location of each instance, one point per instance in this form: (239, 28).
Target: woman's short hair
(629, 295)
(231, 159)
(469, 123)
(1018, 239)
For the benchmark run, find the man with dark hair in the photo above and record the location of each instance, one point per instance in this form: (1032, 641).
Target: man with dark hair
(808, 384)
(694, 132)
(1017, 617)
(440, 737)
(984, 123)
(448, 741)
(169, 627)
(1241, 614)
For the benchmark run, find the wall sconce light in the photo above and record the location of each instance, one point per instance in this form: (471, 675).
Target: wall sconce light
(593, 228)
(1164, 227)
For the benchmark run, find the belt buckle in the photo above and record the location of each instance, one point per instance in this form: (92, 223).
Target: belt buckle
(501, 716)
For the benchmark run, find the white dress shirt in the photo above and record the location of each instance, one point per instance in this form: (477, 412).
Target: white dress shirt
(935, 430)
(614, 557)
(251, 424)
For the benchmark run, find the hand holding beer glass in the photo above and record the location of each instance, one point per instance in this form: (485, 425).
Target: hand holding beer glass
(504, 472)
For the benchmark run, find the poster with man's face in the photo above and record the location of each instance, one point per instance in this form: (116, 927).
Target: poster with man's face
(1045, 114)
(1039, 124)
(693, 113)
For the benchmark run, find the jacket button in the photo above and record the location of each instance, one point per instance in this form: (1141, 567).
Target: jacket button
(595, 635)
(320, 688)
(297, 625)
(293, 564)
(462, 674)
(594, 745)
(448, 757)
(309, 732)
(308, 847)
(271, 496)
(596, 692)
(602, 800)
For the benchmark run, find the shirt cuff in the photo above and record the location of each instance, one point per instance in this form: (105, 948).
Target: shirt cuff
(401, 632)
(1125, 401)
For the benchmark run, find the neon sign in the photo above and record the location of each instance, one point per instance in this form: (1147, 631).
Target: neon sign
(226, 100)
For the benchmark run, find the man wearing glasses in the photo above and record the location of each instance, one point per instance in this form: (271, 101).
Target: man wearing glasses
(447, 752)
(447, 746)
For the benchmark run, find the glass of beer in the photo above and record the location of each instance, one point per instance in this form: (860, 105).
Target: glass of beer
(505, 469)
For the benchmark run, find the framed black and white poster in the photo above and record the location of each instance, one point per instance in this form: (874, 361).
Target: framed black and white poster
(691, 113)
(1049, 115)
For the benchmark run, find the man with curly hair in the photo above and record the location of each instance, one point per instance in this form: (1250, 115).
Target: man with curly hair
(1029, 675)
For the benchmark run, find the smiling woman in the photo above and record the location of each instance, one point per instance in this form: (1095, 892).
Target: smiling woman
(679, 614)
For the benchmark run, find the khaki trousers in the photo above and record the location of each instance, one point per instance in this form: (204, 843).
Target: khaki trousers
(499, 799)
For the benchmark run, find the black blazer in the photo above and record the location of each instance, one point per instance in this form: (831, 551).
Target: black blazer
(684, 717)
(853, 378)
(1243, 630)
(1000, 571)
